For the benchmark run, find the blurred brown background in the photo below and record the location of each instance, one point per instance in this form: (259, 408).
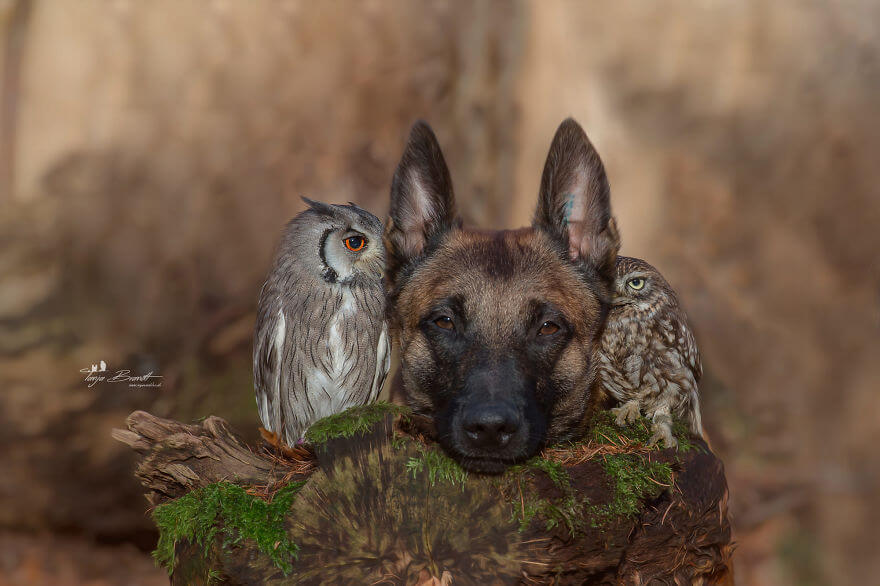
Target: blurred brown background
(151, 152)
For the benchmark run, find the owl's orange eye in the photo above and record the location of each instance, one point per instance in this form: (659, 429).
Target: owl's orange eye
(548, 328)
(355, 243)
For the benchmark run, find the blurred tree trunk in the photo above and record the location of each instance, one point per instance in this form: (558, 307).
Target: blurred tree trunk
(14, 33)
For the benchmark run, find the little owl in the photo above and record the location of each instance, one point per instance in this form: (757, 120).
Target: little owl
(648, 359)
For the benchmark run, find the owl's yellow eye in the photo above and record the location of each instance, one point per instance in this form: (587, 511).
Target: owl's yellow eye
(355, 243)
(636, 284)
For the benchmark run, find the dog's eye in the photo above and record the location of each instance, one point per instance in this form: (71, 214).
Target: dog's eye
(444, 323)
(636, 284)
(548, 328)
(355, 243)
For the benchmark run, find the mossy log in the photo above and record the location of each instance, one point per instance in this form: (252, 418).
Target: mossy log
(373, 501)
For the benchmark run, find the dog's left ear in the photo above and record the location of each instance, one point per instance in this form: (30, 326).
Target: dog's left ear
(422, 201)
(574, 205)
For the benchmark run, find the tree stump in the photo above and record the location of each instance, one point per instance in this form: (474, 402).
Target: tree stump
(371, 500)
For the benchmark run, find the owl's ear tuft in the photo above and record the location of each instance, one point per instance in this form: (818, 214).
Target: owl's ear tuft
(325, 209)
(422, 201)
(574, 204)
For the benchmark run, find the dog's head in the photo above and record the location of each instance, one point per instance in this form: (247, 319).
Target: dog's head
(497, 329)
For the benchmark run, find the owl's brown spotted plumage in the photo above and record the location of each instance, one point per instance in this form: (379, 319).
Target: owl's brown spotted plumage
(648, 359)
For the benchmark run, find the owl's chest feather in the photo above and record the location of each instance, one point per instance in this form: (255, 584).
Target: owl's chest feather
(335, 338)
(338, 345)
(624, 345)
(342, 364)
(624, 337)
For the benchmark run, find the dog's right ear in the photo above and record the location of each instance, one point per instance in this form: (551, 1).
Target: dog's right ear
(574, 206)
(422, 202)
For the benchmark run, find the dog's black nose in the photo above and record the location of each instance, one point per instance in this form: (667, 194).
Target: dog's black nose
(490, 426)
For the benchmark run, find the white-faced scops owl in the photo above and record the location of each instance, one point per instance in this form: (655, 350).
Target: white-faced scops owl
(648, 359)
(321, 343)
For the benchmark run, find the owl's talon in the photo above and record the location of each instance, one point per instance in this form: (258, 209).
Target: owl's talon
(663, 431)
(626, 413)
(648, 352)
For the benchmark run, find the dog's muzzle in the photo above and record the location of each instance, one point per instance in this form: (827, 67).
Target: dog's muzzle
(494, 421)
(490, 426)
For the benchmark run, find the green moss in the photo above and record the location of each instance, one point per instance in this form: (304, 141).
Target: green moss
(438, 466)
(399, 441)
(682, 433)
(565, 510)
(351, 422)
(554, 470)
(604, 430)
(225, 509)
(633, 479)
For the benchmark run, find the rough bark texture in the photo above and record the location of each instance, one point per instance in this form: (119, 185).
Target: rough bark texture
(682, 537)
(401, 528)
(178, 458)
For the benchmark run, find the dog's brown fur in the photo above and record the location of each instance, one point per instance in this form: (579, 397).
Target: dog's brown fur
(498, 287)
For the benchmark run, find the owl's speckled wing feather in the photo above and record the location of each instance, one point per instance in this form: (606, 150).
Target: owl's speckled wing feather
(269, 338)
(676, 364)
(304, 358)
(383, 361)
(692, 372)
(691, 351)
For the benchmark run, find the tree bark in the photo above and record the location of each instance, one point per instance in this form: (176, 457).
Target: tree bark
(179, 457)
(681, 536)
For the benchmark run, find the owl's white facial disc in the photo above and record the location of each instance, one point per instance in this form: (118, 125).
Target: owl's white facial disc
(334, 254)
(349, 243)
(352, 253)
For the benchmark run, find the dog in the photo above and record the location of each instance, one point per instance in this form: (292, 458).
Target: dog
(497, 330)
